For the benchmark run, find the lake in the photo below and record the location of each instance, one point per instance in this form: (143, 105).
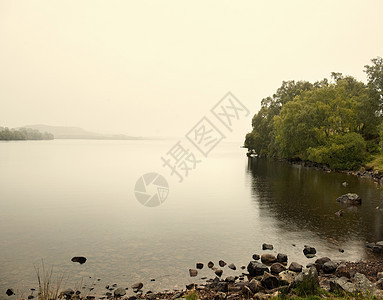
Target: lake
(65, 198)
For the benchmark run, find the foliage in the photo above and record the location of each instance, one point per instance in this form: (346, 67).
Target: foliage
(335, 123)
(7, 134)
(192, 296)
(47, 290)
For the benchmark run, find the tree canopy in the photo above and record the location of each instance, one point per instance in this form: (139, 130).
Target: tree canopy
(336, 122)
(7, 134)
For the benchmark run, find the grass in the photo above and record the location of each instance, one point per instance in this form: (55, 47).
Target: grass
(376, 162)
(47, 289)
(192, 296)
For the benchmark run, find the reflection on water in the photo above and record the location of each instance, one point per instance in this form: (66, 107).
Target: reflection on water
(300, 198)
(67, 198)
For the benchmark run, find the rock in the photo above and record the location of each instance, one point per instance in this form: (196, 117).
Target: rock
(222, 287)
(193, 272)
(199, 265)
(295, 267)
(221, 263)
(232, 266)
(176, 296)
(342, 271)
(277, 268)
(119, 292)
(377, 249)
(254, 286)
(309, 251)
(329, 267)
(79, 259)
(363, 284)
(379, 284)
(342, 284)
(269, 281)
(350, 199)
(31, 297)
(210, 264)
(10, 292)
(268, 258)
(267, 247)
(308, 266)
(218, 272)
(321, 261)
(379, 275)
(308, 275)
(282, 258)
(339, 213)
(67, 293)
(286, 277)
(230, 279)
(190, 286)
(256, 257)
(138, 285)
(220, 296)
(243, 267)
(256, 269)
(340, 250)
(345, 184)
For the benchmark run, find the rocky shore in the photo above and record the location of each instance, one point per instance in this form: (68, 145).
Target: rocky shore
(269, 274)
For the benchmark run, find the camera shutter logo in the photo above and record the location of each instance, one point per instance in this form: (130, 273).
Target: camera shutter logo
(151, 189)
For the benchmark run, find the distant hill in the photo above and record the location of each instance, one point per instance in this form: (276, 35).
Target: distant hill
(63, 132)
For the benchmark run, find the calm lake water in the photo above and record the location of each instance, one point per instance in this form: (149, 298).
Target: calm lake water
(65, 198)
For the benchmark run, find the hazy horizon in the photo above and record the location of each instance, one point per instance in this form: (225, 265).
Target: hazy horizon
(156, 68)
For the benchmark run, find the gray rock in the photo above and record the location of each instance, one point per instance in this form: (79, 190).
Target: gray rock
(256, 269)
(268, 258)
(267, 247)
(287, 277)
(119, 292)
(277, 268)
(294, 266)
(350, 199)
(363, 284)
(199, 265)
(232, 266)
(342, 284)
(307, 275)
(282, 258)
(329, 267)
(193, 272)
(269, 281)
(221, 263)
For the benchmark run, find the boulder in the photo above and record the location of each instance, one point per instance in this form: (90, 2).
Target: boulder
(294, 266)
(232, 266)
(267, 247)
(308, 275)
(320, 262)
(218, 272)
(268, 258)
(342, 284)
(256, 269)
(277, 268)
(222, 287)
(254, 286)
(350, 199)
(230, 279)
(137, 286)
(362, 284)
(269, 281)
(282, 258)
(329, 267)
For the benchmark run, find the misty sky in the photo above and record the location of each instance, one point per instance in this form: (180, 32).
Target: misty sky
(155, 68)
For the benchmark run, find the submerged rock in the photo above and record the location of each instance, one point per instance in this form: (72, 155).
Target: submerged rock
(350, 199)
(210, 264)
(199, 265)
(10, 292)
(232, 266)
(256, 257)
(308, 251)
(222, 263)
(267, 247)
(193, 272)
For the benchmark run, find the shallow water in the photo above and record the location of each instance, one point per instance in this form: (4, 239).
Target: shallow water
(65, 198)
